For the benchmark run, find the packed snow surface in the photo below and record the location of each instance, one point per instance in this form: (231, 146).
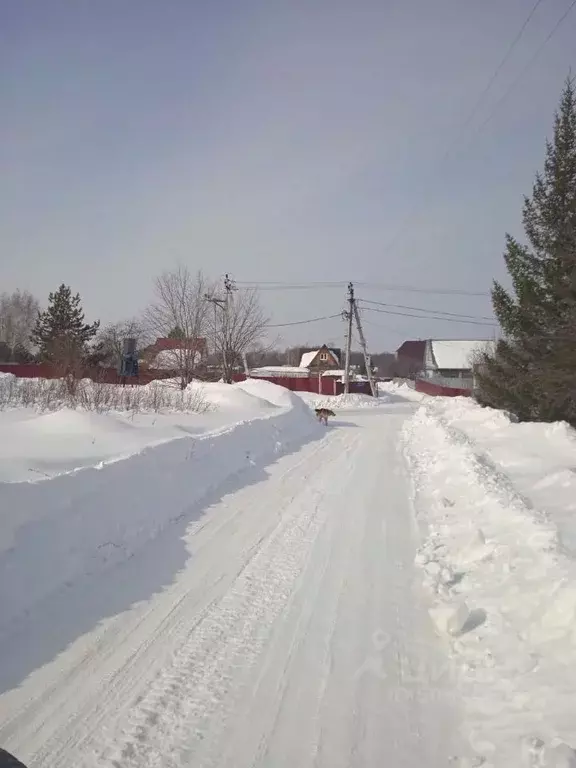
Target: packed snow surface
(352, 401)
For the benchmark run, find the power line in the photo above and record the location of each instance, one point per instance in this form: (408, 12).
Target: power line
(432, 311)
(304, 322)
(279, 286)
(431, 291)
(425, 317)
(385, 328)
(500, 66)
(419, 210)
(526, 68)
(492, 80)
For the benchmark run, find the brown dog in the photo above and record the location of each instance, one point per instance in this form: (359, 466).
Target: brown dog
(322, 415)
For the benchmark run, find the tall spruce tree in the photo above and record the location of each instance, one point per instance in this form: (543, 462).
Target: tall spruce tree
(533, 370)
(60, 332)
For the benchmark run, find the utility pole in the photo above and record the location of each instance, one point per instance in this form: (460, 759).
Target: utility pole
(224, 305)
(348, 315)
(229, 287)
(373, 385)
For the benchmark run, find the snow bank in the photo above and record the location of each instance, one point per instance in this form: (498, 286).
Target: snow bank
(77, 526)
(351, 402)
(504, 595)
(539, 459)
(403, 389)
(39, 445)
(271, 392)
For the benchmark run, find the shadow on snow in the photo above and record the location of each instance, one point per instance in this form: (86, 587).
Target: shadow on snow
(133, 573)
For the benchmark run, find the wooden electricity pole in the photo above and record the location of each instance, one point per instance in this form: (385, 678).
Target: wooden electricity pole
(224, 305)
(373, 385)
(349, 316)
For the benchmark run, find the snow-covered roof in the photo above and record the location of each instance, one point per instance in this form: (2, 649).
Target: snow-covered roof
(308, 357)
(456, 354)
(279, 370)
(170, 359)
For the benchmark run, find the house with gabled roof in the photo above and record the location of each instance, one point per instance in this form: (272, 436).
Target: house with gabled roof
(454, 358)
(319, 360)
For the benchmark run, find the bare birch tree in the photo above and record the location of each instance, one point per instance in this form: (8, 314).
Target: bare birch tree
(236, 325)
(180, 311)
(18, 313)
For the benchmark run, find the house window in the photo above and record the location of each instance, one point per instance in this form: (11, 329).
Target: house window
(323, 356)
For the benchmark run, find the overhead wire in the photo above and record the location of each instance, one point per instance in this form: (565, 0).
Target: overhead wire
(305, 322)
(428, 317)
(420, 209)
(280, 286)
(430, 311)
(523, 71)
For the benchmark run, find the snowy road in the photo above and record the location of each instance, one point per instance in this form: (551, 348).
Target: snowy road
(295, 634)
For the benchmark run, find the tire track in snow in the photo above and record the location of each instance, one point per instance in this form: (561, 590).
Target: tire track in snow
(189, 703)
(249, 658)
(71, 705)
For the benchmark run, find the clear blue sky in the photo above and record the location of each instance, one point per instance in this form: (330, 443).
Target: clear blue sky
(277, 140)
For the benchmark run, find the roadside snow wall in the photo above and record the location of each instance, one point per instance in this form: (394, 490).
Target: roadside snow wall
(74, 527)
(504, 598)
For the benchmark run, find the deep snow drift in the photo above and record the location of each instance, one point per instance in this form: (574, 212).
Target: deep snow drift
(40, 444)
(505, 595)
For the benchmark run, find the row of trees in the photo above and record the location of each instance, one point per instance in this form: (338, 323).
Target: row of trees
(532, 373)
(185, 307)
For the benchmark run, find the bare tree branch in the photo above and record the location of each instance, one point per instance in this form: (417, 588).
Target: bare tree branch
(18, 313)
(110, 340)
(180, 311)
(236, 327)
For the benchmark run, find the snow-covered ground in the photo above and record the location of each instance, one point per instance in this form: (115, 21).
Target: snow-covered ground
(539, 459)
(240, 586)
(244, 599)
(40, 444)
(490, 495)
(354, 401)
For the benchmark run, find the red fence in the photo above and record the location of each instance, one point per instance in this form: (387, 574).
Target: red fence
(103, 375)
(323, 385)
(428, 387)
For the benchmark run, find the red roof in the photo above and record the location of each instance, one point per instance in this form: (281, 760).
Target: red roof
(412, 350)
(162, 344)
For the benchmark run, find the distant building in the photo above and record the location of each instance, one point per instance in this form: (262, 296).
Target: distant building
(446, 358)
(410, 357)
(174, 354)
(319, 360)
(454, 358)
